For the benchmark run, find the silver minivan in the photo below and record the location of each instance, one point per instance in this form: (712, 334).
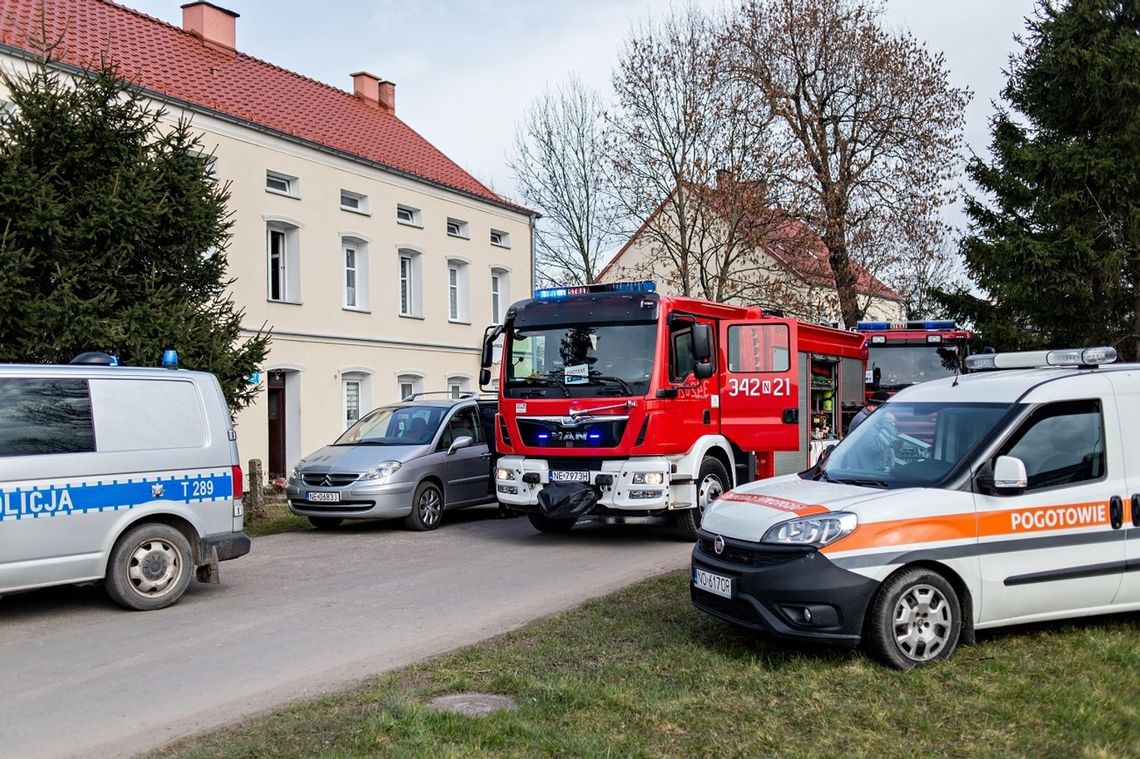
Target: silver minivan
(413, 459)
(126, 475)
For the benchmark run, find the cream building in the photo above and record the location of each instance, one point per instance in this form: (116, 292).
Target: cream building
(375, 260)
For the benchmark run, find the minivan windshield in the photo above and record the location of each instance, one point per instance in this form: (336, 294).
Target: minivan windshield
(911, 444)
(395, 425)
(583, 360)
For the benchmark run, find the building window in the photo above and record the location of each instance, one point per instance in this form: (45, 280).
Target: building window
(457, 386)
(282, 184)
(283, 262)
(457, 295)
(457, 228)
(501, 239)
(409, 384)
(408, 215)
(355, 400)
(354, 257)
(353, 201)
(409, 298)
(500, 294)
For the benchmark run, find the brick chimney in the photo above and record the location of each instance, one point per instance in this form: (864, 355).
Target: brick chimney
(374, 90)
(215, 25)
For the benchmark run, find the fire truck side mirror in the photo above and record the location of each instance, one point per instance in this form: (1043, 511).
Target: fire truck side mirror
(490, 335)
(701, 335)
(703, 369)
(876, 378)
(484, 377)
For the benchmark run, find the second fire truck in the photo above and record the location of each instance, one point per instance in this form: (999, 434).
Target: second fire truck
(901, 354)
(617, 401)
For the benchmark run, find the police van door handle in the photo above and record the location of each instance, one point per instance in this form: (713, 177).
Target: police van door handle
(1136, 509)
(1116, 511)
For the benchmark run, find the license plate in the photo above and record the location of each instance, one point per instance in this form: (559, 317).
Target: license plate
(569, 476)
(718, 585)
(319, 497)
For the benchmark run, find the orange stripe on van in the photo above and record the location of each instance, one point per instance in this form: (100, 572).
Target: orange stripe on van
(772, 502)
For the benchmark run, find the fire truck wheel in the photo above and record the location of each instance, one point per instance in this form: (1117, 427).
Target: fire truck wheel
(543, 523)
(712, 482)
(915, 619)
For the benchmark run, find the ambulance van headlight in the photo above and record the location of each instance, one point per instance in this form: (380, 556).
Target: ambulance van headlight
(817, 530)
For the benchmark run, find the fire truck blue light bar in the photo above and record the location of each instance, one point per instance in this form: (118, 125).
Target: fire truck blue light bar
(560, 293)
(917, 324)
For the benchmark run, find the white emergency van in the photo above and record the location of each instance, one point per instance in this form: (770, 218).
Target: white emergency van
(990, 499)
(127, 475)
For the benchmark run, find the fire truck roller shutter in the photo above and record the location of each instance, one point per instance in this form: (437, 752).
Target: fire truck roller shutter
(790, 462)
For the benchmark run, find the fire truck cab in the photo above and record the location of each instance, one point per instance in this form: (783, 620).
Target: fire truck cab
(901, 354)
(617, 401)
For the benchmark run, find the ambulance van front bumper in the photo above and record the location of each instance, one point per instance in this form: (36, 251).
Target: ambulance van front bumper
(785, 591)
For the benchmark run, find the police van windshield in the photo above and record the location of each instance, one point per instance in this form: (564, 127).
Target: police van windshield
(903, 365)
(911, 444)
(395, 425)
(580, 361)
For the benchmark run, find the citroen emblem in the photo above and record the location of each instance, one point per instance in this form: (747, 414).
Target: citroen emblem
(718, 545)
(327, 481)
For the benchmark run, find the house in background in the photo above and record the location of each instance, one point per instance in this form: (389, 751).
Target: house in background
(376, 259)
(742, 252)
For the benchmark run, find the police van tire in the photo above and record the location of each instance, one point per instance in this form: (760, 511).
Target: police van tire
(543, 523)
(325, 523)
(150, 567)
(712, 483)
(915, 619)
(427, 508)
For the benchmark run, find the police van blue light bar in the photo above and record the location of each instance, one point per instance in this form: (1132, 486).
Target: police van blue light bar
(981, 362)
(561, 293)
(914, 324)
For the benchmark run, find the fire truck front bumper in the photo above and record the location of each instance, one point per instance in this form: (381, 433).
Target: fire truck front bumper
(633, 486)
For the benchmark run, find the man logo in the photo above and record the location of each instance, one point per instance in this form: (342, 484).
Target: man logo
(718, 545)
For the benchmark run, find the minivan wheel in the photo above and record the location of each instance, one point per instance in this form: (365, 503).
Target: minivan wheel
(427, 508)
(916, 618)
(712, 482)
(325, 523)
(150, 567)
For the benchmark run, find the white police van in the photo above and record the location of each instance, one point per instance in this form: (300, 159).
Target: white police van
(991, 499)
(127, 475)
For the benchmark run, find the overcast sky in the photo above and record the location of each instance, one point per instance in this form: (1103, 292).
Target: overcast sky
(465, 70)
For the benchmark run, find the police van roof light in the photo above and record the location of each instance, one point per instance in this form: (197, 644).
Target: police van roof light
(561, 293)
(170, 358)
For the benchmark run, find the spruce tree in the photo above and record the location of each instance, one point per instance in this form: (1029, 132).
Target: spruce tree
(113, 233)
(1054, 241)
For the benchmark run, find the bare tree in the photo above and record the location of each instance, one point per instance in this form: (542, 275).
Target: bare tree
(872, 120)
(558, 163)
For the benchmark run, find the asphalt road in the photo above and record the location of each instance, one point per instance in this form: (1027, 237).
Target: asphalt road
(301, 615)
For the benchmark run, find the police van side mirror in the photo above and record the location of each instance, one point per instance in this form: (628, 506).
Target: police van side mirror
(1009, 476)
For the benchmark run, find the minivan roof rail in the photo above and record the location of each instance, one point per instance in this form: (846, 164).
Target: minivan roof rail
(463, 394)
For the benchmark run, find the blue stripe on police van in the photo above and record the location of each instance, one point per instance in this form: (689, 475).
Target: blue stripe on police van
(82, 497)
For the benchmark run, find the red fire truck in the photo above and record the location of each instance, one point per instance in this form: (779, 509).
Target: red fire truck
(617, 401)
(901, 354)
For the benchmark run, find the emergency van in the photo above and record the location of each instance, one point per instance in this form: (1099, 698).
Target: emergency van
(127, 475)
(971, 502)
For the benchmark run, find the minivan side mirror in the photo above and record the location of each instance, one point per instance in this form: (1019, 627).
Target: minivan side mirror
(1009, 476)
(463, 441)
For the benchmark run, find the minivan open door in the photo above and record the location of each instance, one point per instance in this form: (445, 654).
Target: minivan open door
(760, 392)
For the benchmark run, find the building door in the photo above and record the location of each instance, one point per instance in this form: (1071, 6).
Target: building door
(276, 387)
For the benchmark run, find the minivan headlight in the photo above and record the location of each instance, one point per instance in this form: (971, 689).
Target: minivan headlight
(296, 473)
(816, 530)
(381, 471)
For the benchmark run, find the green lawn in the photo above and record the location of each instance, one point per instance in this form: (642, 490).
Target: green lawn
(642, 673)
(277, 519)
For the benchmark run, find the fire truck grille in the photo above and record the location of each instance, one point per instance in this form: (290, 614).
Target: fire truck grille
(575, 463)
(548, 433)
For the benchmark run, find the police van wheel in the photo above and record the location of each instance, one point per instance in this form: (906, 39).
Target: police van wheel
(915, 619)
(427, 508)
(712, 483)
(150, 567)
(543, 523)
(325, 523)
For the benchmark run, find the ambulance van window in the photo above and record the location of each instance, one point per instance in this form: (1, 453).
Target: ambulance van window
(44, 416)
(1061, 444)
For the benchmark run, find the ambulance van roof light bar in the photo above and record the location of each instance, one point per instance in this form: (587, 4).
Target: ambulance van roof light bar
(1084, 357)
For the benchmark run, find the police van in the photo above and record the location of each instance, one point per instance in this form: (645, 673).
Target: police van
(127, 475)
(971, 502)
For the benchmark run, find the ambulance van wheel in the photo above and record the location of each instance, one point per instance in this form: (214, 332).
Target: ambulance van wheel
(325, 523)
(543, 523)
(712, 483)
(150, 567)
(915, 619)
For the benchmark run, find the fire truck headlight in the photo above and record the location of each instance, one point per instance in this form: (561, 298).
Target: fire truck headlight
(816, 530)
(648, 478)
(504, 474)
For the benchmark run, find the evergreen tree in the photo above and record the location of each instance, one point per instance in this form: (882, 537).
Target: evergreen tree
(1057, 251)
(113, 233)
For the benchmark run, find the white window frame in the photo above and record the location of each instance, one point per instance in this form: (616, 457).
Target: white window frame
(408, 379)
(458, 291)
(363, 382)
(457, 384)
(500, 293)
(457, 228)
(413, 214)
(285, 260)
(504, 238)
(360, 199)
(409, 290)
(361, 271)
(291, 184)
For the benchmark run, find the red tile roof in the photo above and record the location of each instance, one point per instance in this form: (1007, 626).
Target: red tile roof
(167, 61)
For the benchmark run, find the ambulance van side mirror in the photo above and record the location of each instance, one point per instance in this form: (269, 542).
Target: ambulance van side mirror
(701, 337)
(1009, 476)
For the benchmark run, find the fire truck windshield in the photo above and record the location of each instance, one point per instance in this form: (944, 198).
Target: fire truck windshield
(903, 365)
(580, 361)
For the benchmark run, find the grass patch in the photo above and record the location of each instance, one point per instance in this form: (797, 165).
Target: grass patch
(642, 673)
(277, 519)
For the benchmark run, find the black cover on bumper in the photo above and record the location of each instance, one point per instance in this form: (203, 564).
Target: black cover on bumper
(774, 584)
(230, 545)
(566, 500)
